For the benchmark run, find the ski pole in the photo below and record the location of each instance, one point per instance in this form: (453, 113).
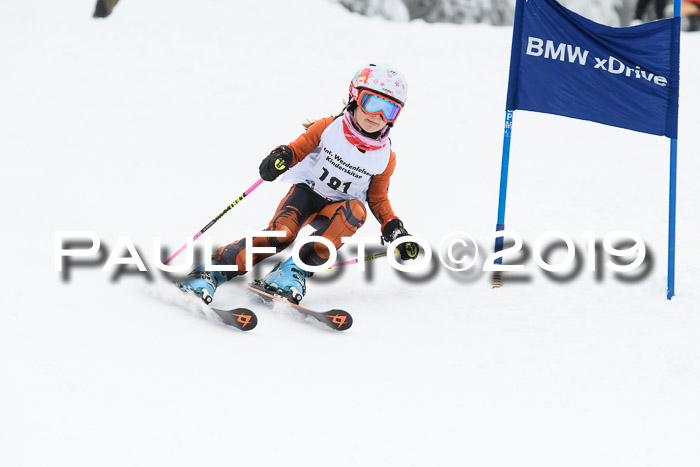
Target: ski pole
(353, 261)
(213, 221)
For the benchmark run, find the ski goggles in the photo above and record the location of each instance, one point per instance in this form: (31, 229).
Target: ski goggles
(373, 103)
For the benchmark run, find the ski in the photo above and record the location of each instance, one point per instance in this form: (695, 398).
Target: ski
(240, 318)
(338, 320)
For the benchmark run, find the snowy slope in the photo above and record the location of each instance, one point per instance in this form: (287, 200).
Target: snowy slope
(149, 123)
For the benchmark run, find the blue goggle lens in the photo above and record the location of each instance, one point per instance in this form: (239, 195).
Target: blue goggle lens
(372, 103)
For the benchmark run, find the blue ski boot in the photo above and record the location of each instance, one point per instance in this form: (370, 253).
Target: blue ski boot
(288, 280)
(204, 283)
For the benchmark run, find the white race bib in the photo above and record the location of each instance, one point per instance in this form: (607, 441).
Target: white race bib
(336, 169)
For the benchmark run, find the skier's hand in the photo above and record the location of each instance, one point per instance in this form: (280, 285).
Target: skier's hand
(393, 230)
(276, 163)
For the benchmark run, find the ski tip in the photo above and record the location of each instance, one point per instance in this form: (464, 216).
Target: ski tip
(339, 320)
(242, 318)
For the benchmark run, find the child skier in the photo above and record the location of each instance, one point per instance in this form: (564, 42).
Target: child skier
(336, 166)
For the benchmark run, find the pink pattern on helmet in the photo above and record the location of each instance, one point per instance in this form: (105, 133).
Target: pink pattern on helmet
(362, 81)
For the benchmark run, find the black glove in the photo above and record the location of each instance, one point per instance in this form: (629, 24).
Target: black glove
(276, 163)
(393, 230)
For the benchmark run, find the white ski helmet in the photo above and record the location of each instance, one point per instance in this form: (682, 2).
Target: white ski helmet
(383, 79)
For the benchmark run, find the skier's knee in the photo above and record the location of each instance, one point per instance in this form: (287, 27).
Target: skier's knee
(355, 213)
(290, 234)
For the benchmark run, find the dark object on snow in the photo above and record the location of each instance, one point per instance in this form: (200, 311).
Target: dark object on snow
(104, 8)
(691, 9)
(694, 23)
(642, 5)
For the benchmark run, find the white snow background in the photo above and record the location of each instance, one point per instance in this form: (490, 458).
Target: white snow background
(151, 122)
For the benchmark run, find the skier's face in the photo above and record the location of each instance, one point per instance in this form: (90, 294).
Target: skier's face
(369, 123)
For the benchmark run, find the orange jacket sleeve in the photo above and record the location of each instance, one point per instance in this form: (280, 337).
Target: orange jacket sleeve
(307, 142)
(378, 193)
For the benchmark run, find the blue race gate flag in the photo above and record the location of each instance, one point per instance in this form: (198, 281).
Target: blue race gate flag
(562, 63)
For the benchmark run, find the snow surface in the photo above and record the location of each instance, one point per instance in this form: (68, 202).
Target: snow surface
(149, 123)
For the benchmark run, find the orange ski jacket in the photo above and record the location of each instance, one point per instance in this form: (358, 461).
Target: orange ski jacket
(378, 193)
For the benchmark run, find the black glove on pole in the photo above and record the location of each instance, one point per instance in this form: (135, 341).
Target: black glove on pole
(393, 230)
(276, 163)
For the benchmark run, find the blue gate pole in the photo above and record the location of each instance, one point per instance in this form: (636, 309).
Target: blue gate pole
(670, 289)
(671, 284)
(500, 223)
